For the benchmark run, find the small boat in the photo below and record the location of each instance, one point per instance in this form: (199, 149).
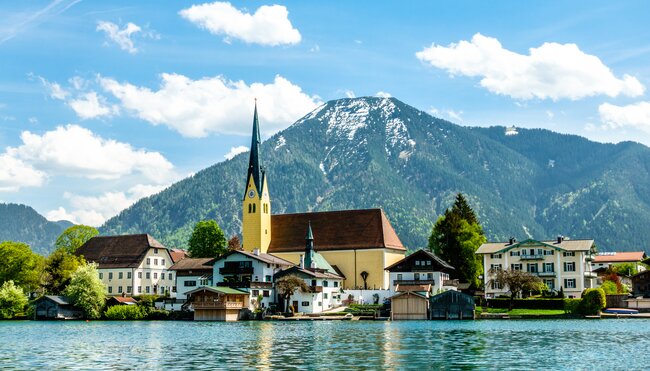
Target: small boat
(620, 311)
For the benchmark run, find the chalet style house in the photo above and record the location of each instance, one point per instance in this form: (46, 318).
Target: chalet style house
(190, 274)
(421, 271)
(606, 259)
(562, 263)
(356, 243)
(131, 264)
(217, 303)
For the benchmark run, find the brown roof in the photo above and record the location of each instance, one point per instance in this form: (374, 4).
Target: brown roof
(422, 288)
(334, 230)
(617, 257)
(316, 273)
(126, 251)
(193, 264)
(124, 299)
(568, 245)
(266, 258)
(178, 254)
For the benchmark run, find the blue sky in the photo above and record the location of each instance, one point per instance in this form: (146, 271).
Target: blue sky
(105, 102)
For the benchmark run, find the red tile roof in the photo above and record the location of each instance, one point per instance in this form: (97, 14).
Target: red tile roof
(618, 257)
(125, 251)
(193, 264)
(178, 254)
(334, 230)
(124, 299)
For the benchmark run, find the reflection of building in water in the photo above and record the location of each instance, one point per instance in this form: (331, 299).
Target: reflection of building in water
(391, 347)
(264, 345)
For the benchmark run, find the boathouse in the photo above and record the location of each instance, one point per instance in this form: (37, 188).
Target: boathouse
(56, 307)
(452, 305)
(217, 303)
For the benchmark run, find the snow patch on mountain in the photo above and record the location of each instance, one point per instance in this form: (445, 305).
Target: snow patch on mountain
(280, 143)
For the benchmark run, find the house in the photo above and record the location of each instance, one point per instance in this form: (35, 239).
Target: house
(56, 307)
(421, 268)
(251, 272)
(191, 273)
(452, 305)
(217, 303)
(409, 305)
(131, 264)
(641, 284)
(322, 279)
(561, 264)
(357, 243)
(178, 255)
(120, 300)
(605, 259)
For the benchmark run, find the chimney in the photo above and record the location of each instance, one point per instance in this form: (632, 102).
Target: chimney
(512, 241)
(302, 262)
(256, 252)
(560, 238)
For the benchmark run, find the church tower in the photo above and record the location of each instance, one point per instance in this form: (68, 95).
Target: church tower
(256, 205)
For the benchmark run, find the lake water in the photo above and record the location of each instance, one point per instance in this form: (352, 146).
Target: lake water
(335, 345)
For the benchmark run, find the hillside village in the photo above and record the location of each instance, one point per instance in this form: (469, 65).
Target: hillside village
(342, 264)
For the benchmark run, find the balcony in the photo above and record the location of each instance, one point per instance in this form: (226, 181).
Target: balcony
(531, 257)
(315, 289)
(218, 305)
(546, 274)
(246, 285)
(589, 258)
(591, 275)
(450, 283)
(236, 270)
(414, 282)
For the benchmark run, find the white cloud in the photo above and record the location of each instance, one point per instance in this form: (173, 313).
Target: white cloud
(15, 174)
(455, 115)
(383, 94)
(551, 71)
(550, 114)
(350, 94)
(32, 120)
(121, 37)
(196, 108)
(269, 25)
(433, 111)
(234, 151)
(76, 151)
(95, 210)
(635, 115)
(89, 106)
(315, 48)
(55, 90)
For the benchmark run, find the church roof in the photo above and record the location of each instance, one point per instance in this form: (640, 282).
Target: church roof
(254, 166)
(125, 251)
(334, 230)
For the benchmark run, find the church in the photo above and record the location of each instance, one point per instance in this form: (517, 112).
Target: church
(358, 244)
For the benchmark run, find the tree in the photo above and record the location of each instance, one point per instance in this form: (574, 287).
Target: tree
(593, 301)
(86, 290)
(59, 267)
(625, 269)
(207, 240)
(234, 243)
(12, 300)
(72, 238)
(517, 282)
(455, 238)
(19, 264)
(287, 285)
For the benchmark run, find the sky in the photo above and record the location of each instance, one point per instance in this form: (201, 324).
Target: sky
(102, 103)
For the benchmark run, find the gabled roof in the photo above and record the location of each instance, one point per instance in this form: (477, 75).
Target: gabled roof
(125, 251)
(266, 258)
(334, 230)
(219, 290)
(439, 264)
(123, 299)
(565, 245)
(193, 264)
(58, 299)
(414, 293)
(315, 273)
(178, 254)
(415, 288)
(619, 257)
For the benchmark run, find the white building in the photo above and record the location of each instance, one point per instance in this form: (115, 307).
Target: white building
(420, 270)
(131, 264)
(561, 264)
(607, 258)
(192, 273)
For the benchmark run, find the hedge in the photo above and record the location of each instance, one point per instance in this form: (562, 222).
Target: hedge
(125, 312)
(527, 303)
(593, 301)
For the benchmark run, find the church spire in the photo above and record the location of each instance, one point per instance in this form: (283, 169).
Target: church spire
(254, 167)
(309, 248)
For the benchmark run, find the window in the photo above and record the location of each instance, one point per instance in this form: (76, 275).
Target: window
(430, 276)
(250, 208)
(324, 295)
(256, 293)
(268, 278)
(155, 251)
(148, 275)
(148, 260)
(162, 290)
(313, 282)
(170, 277)
(514, 253)
(128, 275)
(110, 275)
(336, 284)
(119, 289)
(569, 266)
(495, 256)
(550, 284)
(305, 303)
(325, 283)
(139, 289)
(101, 275)
(532, 251)
(399, 277)
(570, 283)
(265, 293)
(147, 289)
(540, 251)
(162, 261)
(549, 267)
(496, 285)
(128, 289)
(569, 253)
(254, 208)
(416, 276)
(120, 275)
(516, 267)
(173, 288)
(155, 262)
(531, 267)
(155, 275)
(140, 275)
(495, 267)
(189, 283)
(549, 252)
(417, 262)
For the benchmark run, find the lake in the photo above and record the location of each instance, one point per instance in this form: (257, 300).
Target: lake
(497, 344)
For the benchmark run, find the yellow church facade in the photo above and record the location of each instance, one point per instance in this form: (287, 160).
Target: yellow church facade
(358, 244)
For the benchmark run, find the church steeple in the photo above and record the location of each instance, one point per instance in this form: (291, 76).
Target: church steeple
(309, 247)
(254, 168)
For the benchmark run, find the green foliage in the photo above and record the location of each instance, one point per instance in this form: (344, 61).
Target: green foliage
(125, 312)
(19, 264)
(609, 287)
(22, 223)
(72, 238)
(12, 300)
(506, 303)
(572, 306)
(207, 240)
(626, 269)
(59, 267)
(87, 291)
(593, 301)
(287, 285)
(455, 238)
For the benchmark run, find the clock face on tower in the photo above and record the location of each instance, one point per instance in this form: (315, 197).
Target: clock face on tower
(251, 193)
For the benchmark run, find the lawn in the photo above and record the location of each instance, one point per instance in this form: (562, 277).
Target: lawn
(524, 312)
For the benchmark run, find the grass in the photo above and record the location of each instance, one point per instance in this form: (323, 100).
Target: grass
(524, 312)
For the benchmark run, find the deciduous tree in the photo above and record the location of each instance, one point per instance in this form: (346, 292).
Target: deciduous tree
(207, 240)
(287, 285)
(87, 291)
(517, 281)
(72, 238)
(19, 264)
(12, 300)
(234, 243)
(59, 267)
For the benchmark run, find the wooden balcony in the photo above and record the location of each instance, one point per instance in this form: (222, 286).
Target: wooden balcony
(546, 274)
(236, 270)
(413, 282)
(315, 289)
(218, 305)
(246, 285)
(531, 257)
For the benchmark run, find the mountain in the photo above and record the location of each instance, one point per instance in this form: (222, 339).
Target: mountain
(379, 152)
(21, 223)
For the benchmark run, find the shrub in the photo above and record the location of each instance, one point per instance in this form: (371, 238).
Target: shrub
(158, 314)
(593, 301)
(609, 287)
(572, 306)
(12, 300)
(125, 312)
(538, 303)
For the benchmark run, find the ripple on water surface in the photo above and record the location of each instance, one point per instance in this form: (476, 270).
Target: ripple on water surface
(566, 344)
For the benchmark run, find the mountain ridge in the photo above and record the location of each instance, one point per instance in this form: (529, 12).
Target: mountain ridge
(21, 223)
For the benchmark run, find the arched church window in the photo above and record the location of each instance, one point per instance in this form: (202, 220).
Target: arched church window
(250, 208)
(253, 208)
